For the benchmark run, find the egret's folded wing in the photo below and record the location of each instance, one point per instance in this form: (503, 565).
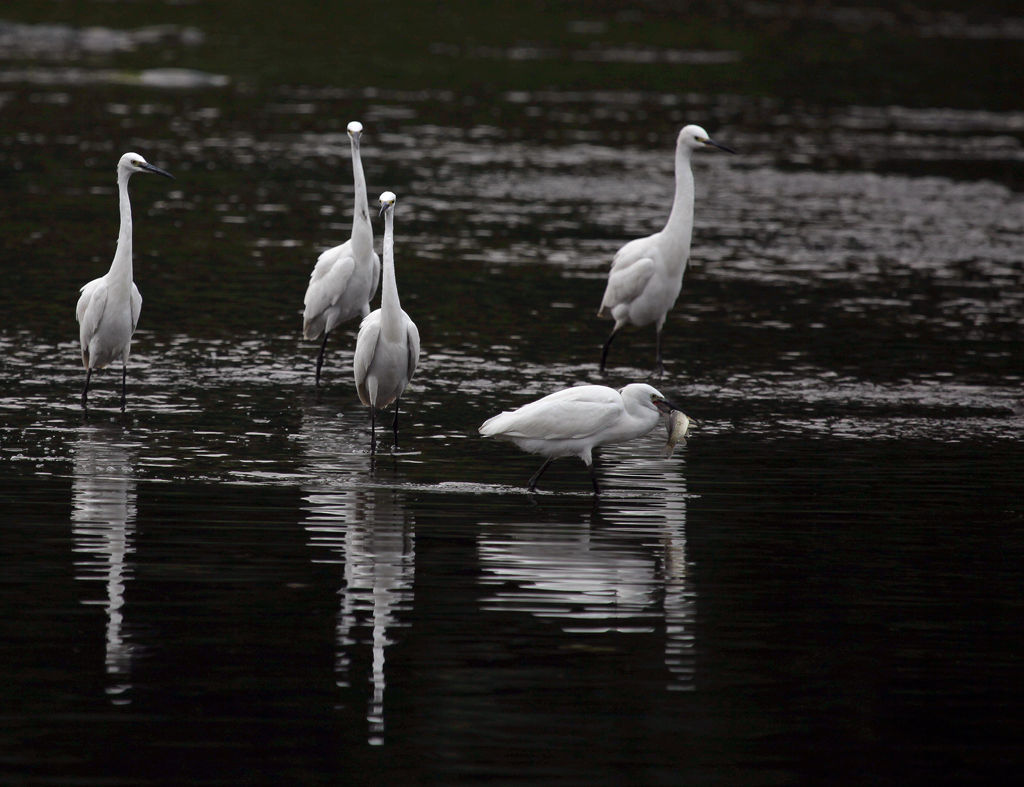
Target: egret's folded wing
(327, 259)
(366, 346)
(634, 250)
(376, 274)
(136, 306)
(413, 341)
(89, 311)
(570, 414)
(327, 284)
(626, 283)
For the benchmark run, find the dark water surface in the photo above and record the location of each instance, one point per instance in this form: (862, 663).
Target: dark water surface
(823, 586)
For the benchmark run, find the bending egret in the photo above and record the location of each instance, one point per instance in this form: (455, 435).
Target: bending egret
(647, 273)
(108, 309)
(574, 421)
(345, 278)
(388, 344)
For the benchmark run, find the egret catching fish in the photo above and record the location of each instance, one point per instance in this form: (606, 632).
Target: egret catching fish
(108, 308)
(647, 273)
(345, 278)
(388, 344)
(575, 421)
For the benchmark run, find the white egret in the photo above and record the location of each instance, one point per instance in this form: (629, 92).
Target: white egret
(647, 273)
(388, 344)
(345, 278)
(108, 308)
(574, 421)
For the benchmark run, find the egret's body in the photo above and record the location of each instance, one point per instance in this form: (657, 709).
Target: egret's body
(574, 421)
(345, 278)
(109, 307)
(647, 273)
(388, 344)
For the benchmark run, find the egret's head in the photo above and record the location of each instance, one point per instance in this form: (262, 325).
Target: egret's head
(648, 396)
(387, 201)
(131, 163)
(661, 404)
(694, 137)
(355, 129)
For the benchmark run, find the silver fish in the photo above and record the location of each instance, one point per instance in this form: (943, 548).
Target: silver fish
(678, 426)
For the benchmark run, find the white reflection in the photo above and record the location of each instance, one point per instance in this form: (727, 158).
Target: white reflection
(103, 525)
(622, 570)
(369, 534)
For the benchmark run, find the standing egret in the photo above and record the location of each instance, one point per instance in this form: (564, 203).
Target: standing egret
(574, 421)
(647, 273)
(388, 344)
(108, 309)
(345, 278)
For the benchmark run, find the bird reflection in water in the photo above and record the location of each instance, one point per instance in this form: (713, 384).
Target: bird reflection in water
(103, 526)
(621, 570)
(366, 531)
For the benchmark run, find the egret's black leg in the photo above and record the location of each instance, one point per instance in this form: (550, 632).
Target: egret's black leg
(85, 391)
(394, 425)
(593, 478)
(124, 385)
(532, 486)
(659, 367)
(373, 431)
(320, 359)
(604, 350)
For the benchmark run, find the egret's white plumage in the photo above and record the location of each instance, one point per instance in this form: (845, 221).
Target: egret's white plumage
(345, 278)
(108, 308)
(388, 344)
(574, 421)
(647, 273)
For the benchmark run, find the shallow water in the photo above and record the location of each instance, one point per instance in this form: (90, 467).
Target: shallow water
(220, 587)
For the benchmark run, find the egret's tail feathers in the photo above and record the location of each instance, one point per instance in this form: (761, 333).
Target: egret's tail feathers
(494, 425)
(366, 396)
(313, 328)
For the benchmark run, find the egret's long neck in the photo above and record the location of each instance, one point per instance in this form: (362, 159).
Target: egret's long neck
(362, 229)
(679, 227)
(121, 267)
(645, 418)
(390, 307)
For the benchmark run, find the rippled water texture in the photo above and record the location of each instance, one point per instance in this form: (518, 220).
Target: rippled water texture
(821, 586)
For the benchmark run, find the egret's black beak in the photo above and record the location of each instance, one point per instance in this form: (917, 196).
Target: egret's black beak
(156, 170)
(383, 207)
(665, 406)
(720, 147)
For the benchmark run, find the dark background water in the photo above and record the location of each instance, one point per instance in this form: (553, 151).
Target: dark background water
(822, 586)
